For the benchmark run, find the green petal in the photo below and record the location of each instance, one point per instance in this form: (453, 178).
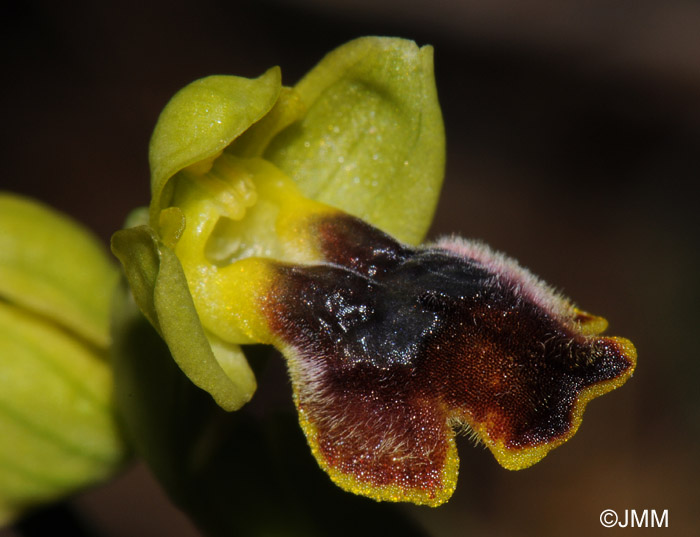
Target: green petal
(372, 142)
(55, 267)
(56, 419)
(160, 289)
(137, 249)
(201, 120)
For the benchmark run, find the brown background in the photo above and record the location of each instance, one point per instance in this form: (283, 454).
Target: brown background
(573, 144)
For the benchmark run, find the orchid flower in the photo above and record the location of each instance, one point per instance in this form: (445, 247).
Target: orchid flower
(293, 217)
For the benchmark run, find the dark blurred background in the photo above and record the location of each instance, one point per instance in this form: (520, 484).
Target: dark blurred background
(573, 134)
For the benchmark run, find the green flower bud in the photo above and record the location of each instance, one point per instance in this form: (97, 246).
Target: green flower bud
(56, 414)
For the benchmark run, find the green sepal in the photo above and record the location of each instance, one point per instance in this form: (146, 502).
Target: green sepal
(201, 120)
(53, 266)
(160, 289)
(372, 140)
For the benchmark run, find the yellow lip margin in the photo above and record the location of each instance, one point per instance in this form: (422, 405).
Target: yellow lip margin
(518, 459)
(388, 493)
